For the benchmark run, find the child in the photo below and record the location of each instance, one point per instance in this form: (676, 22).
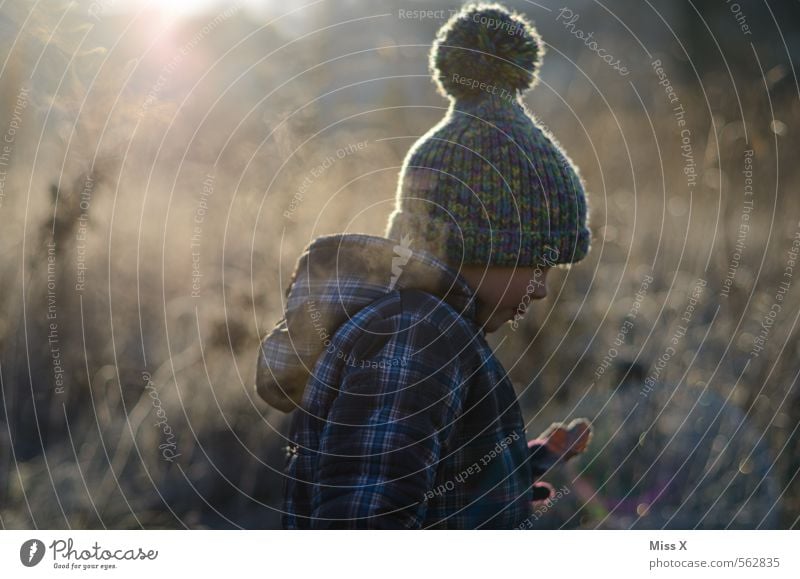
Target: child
(403, 417)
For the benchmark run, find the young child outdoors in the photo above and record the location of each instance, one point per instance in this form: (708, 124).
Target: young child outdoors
(402, 415)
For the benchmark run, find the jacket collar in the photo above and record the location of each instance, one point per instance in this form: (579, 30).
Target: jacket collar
(335, 277)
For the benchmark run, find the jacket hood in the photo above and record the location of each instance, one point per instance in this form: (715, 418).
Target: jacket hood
(334, 278)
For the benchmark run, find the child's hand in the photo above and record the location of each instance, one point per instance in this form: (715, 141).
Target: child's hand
(567, 441)
(559, 443)
(542, 492)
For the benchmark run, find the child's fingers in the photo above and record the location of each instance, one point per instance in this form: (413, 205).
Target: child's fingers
(580, 433)
(543, 491)
(568, 441)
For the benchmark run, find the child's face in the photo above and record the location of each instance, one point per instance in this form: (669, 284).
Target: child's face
(504, 292)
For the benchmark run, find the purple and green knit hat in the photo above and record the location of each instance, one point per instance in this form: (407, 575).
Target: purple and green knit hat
(486, 185)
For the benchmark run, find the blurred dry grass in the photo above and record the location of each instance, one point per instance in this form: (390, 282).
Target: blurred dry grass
(90, 456)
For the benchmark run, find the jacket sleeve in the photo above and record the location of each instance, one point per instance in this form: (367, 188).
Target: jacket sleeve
(541, 459)
(385, 432)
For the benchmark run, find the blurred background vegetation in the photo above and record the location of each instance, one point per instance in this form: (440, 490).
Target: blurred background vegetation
(163, 165)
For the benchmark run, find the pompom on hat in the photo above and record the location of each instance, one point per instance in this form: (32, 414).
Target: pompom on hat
(486, 185)
(485, 42)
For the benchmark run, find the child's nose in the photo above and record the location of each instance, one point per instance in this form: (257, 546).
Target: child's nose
(538, 285)
(541, 291)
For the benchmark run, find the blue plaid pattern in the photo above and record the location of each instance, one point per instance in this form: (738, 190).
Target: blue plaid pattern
(407, 419)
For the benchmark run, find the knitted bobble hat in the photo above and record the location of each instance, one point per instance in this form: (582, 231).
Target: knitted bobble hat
(486, 185)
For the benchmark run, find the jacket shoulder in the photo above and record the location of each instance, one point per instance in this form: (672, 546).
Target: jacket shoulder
(418, 306)
(403, 322)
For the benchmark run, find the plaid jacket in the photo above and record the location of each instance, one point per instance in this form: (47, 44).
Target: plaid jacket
(405, 418)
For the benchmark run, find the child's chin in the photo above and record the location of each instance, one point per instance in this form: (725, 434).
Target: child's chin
(495, 323)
